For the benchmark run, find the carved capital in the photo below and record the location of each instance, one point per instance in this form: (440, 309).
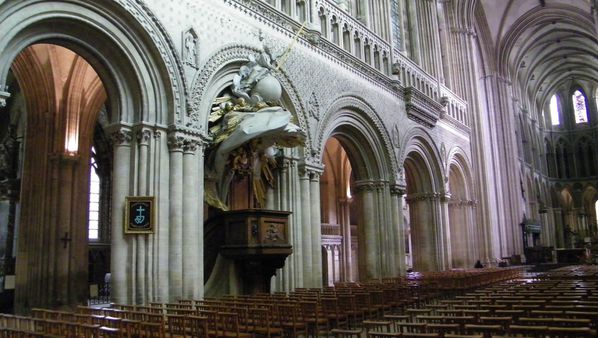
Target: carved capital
(143, 136)
(121, 137)
(362, 186)
(176, 142)
(190, 146)
(397, 189)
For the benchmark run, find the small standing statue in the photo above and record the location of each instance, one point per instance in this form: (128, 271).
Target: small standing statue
(247, 128)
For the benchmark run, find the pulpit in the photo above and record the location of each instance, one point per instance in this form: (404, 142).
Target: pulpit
(257, 240)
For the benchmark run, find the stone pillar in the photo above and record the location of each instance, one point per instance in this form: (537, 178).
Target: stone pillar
(121, 263)
(369, 261)
(306, 230)
(192, 223)
(142, 276)
(175, 254)
(345, 212)
(396, 199)
(423, 231)
(316, 226)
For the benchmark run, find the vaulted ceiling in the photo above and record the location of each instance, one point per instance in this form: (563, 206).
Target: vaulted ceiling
(543, 44)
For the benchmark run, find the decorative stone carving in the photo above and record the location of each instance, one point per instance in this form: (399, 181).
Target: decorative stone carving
(121, 137)
(313, 107)
(176, 142)
(143, 136)
(190, 48)
(159, 35)
(248, 128)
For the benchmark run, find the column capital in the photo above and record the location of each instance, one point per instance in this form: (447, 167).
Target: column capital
(423, 196)
(180, 141)
(312, 170)
(143, 135)
(3, 97)
(121, 136)
(398, 189)
(368, 185)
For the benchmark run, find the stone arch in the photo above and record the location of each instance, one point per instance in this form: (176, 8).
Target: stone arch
(354, 123)
(122, 42)
(217, 74)
(136, 62)
(426, 195)
(465, 237)
(353, 112)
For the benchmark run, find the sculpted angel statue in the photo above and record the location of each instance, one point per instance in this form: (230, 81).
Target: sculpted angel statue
(247, 128)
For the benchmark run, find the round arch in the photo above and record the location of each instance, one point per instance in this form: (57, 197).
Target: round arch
(217, 74)
(355, 124)
(426, 194)
(143, 81)
(125, 46)
(465, 237)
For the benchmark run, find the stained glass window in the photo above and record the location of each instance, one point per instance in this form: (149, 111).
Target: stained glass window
(579, 107)
(554, 110)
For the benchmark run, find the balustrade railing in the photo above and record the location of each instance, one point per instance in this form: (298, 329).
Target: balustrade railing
(346, 32)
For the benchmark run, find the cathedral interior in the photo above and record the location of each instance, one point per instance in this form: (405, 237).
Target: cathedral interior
(153, 151)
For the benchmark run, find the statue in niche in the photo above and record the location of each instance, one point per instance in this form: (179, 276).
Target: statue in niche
(190, 48)
(248, 125)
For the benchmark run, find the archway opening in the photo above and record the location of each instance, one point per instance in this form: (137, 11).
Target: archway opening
(56, 115)
(339, 216)
(461, 236)
(422, 222)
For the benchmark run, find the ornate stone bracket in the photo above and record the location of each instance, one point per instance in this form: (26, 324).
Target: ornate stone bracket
(421, 108)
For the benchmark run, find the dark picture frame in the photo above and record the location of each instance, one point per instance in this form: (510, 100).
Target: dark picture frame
(139, 215)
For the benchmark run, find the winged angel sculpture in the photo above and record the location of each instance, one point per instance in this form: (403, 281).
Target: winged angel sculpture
(247, 128)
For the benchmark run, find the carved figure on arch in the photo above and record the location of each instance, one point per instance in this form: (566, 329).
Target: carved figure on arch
(247, 126)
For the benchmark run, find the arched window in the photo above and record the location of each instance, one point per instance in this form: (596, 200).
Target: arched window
(94, 199)
(579, 107)
(554, 110)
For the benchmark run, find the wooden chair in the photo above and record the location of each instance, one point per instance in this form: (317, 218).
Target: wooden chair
(314, 320)
(290, 322)
(570, 332)
(486, 330)
(336, 318)
(176, 326)
(198, 327)
(346, 333)
(263, 324)
(376, 326)
(229, 326)
(528, 330)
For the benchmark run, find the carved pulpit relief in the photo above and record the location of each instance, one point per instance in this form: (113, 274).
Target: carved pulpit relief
(247, 126)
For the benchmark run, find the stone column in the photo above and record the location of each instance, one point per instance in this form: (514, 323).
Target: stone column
(369, 266)
(396, 199)
(192, 241)
(306, 229)
(346, 235)
(443, 247)
(423, 231)
(143, 137)
(175, 254)
(316, 226)
(121, 263)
